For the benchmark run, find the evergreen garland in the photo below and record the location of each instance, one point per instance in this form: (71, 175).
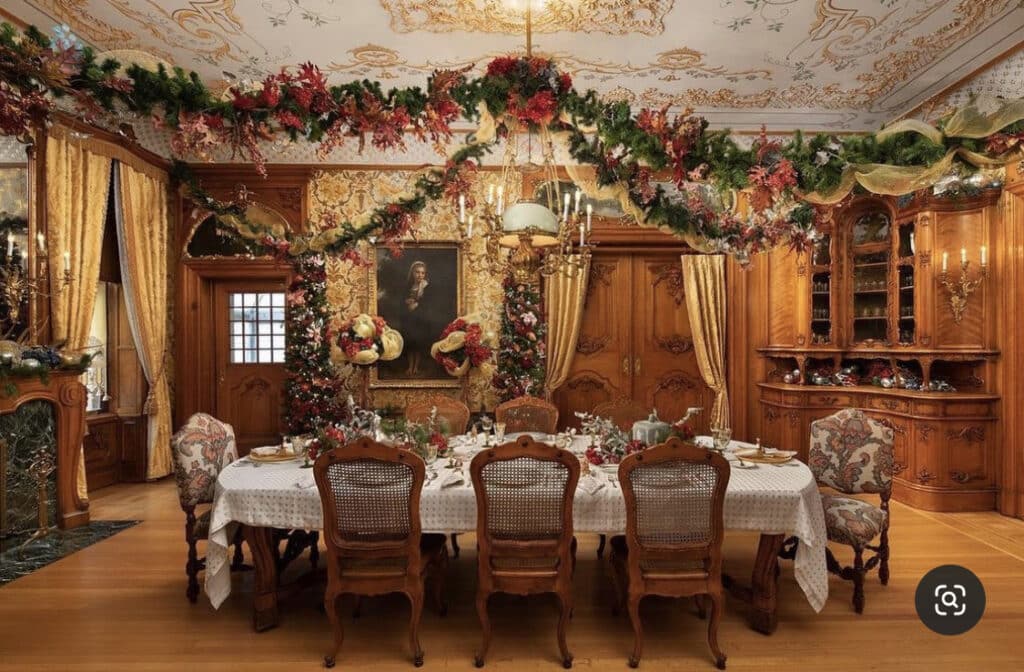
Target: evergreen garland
(522, 345)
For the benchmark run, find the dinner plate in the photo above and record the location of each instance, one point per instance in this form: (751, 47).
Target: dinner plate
(536, 436)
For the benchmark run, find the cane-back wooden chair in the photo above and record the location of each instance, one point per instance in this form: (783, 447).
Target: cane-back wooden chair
(674, 494)
(527, 414)
(371, 499)
(524, 495)
(452, 414)
(623, 412)
(854, 454)
(202, 448)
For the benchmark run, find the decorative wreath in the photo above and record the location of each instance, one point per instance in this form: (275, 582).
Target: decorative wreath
(463, 345)
(364, 340)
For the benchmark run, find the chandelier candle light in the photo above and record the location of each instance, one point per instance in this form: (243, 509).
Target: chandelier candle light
(960, 290)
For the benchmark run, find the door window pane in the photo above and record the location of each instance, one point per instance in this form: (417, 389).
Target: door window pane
(251, 321)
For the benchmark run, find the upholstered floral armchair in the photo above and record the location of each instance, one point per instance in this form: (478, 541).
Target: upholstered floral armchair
(202, 448)
(853, 454)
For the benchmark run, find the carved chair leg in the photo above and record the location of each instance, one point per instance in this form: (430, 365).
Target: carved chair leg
(485, 625)
(416, 602)
(702, 608)
(331, 607)
(565, 602)
(638, 633)
(192, 563)
(600, 546)
(883, 555)
(858, 580)
(455, 545)
(716, 615)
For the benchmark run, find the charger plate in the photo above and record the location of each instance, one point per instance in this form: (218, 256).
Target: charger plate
(767, 458)
(273, 457)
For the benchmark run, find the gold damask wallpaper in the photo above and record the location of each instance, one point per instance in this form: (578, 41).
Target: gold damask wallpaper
(350, 193)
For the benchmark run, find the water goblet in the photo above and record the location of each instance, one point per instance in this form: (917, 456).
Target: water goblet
(721, 437)
(499, 432)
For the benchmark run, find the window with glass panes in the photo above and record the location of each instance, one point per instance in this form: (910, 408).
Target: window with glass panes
(256, 324)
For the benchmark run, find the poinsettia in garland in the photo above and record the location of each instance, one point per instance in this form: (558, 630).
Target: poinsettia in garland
(311, 389)
(521, 346)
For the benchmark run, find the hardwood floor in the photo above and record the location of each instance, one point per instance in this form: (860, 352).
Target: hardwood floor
(120, 605)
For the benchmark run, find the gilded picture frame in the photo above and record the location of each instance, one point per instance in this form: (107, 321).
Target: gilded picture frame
(419, 313)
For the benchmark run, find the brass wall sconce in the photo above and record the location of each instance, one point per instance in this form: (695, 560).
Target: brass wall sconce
(960, 290)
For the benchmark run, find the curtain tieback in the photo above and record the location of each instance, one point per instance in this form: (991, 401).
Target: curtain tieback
(150, 406)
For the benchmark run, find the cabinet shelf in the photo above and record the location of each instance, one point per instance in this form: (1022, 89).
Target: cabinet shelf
(872, 317)
(872, 264)
(870, 291)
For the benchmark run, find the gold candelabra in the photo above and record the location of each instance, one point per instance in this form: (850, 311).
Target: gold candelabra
(961, 289)
(43, 464)
(20, 287)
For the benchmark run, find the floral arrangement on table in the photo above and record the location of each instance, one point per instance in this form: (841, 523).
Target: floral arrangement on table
(358, 422)
(426, 439)
(17, 361)
(610, 445)
(463, 345)
(522, 348)
(364, 340)
(682, 430)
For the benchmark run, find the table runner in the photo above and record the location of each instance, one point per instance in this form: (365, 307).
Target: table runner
(768, 499)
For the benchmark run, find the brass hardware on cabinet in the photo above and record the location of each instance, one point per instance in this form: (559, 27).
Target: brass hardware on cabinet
(636, 366)
(625, 365)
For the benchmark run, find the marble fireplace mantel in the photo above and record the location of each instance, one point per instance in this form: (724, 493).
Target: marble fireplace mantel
(67, 394)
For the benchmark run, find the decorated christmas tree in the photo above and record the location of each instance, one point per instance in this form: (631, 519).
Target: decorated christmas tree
(311, 390)
(522, 348)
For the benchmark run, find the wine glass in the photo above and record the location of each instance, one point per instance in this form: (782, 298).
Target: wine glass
(721, 437)
(499, 432)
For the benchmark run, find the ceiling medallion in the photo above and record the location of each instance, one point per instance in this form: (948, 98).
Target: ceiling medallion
(613, 17)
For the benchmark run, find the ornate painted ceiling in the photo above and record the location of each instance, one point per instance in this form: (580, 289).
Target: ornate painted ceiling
(811, 64)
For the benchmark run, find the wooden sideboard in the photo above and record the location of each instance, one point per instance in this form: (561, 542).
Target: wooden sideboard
(67, 394)
(945, 443)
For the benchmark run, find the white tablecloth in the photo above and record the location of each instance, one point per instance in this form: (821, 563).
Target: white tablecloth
(768, 499)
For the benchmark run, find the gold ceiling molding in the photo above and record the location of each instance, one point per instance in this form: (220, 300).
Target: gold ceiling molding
(614, 17)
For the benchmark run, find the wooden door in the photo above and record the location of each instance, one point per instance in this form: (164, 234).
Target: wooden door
(664, 366)
(248, 322)
(601, 369)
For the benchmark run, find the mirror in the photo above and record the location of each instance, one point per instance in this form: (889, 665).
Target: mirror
(14, 242)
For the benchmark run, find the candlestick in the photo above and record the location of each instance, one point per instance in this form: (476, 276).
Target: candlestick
(579, 194)
(945, 261)
(67, 261)
(582, 232)
(590, 212)
(984, 256)
(565, 208)
(963, 255)
(462, 208)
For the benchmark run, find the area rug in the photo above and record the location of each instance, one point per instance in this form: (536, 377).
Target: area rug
(16, 562)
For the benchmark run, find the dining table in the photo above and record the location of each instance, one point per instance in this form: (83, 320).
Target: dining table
(780, 501)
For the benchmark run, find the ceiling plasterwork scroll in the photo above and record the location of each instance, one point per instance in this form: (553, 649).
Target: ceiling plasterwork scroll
(614, 17)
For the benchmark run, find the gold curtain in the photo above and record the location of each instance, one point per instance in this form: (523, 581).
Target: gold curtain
(704, 279)
(77, 186)
(142, 237)
(565, 294)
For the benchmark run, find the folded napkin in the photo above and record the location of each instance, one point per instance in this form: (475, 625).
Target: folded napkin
(306, 480)
(591, 484)
(451, 477)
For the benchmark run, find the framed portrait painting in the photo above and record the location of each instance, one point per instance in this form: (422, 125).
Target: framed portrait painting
(419, 293)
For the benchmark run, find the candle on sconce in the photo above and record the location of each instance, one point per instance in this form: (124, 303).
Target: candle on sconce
(565, 207)
(67, 261)
(963, 255)
(501, 199)
(490, 195)
(462, 208)
(984, 256)
(582, 232)
(579, 194)
(590, 212)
